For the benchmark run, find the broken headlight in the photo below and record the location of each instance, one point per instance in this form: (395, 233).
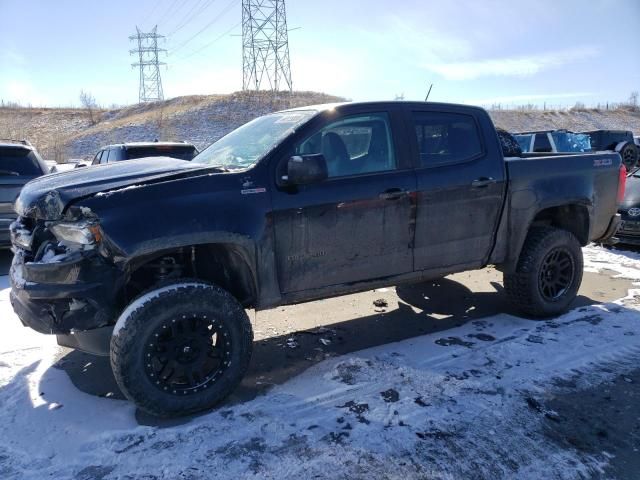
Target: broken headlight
(82, 233)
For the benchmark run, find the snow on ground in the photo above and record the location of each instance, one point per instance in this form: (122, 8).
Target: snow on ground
(456, 404)
(623, 262)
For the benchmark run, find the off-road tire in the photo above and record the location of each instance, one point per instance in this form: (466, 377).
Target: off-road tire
(524, 286)
(629, 153)
(135, 330)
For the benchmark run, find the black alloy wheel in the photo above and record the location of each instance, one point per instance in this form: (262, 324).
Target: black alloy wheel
(181, 348)
(556, 274)
(187, 354)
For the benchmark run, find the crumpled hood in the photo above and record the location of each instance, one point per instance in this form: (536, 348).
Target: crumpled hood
(46, 197)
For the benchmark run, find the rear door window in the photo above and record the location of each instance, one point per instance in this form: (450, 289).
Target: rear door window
(18, 162)
(446, 138)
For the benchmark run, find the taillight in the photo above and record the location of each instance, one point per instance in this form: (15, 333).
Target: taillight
(622, 183)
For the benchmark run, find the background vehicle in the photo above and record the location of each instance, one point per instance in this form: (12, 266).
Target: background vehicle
(295, 206)
(554, 141)
(629, 231)
(69, 165)
(620, 141)
(19, 163)
(131, 151)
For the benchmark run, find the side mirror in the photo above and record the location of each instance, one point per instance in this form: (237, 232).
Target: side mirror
(306, 169)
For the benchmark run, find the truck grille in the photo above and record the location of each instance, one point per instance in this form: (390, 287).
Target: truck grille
(630, 228)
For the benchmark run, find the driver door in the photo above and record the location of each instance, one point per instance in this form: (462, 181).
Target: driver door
(356, 225)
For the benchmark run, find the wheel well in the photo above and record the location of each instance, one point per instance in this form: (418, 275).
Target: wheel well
(573, 218)
(226, 265)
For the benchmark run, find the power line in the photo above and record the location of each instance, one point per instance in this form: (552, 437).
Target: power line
(199, 32)
(150, 87)
(154, 9)
(265, 45)
(168, 10)
(204, 47)
(193, 13)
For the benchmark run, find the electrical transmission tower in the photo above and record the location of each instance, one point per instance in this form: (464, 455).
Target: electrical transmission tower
(265, 46)
(148, 51)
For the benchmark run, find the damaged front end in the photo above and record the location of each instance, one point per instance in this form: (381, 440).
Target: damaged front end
(61, 276)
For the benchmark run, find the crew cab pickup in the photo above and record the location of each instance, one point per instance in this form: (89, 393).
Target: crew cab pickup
(154, 262)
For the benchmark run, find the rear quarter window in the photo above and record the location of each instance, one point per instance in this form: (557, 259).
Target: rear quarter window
(19, 162)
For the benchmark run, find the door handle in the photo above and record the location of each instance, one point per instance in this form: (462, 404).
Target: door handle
(483, 182)
(393, 194)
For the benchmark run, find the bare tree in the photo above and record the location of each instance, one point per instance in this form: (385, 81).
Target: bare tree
(89, 104)
(633, 100)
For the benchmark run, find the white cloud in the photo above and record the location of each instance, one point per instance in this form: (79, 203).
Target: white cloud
(518, 66)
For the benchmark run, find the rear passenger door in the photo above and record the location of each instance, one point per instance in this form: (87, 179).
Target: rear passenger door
(460, 186)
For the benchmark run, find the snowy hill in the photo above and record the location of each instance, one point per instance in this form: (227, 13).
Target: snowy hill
(64, 133)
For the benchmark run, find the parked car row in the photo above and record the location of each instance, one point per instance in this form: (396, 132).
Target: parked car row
(565, 141)
(20, 162)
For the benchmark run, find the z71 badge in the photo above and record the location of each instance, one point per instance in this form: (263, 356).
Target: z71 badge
(602, 162)
(251, 191)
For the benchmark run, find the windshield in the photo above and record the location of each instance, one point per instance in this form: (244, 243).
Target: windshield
(181, 152)
(17, 161)
(571, 142)
(248, 144)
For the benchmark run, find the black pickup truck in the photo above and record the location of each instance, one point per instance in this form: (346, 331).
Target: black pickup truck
(154, 262)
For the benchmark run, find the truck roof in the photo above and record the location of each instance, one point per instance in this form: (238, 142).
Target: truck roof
(7, 142)
(330, 106)
(148, 144)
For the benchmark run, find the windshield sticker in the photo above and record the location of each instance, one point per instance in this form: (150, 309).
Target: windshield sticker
(602, 162)
(291, 118)
(251, 191)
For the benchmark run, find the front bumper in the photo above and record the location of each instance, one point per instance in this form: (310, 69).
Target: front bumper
(78, 294)
(629, 232)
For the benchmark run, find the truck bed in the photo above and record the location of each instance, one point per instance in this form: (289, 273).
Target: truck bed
(543, 182)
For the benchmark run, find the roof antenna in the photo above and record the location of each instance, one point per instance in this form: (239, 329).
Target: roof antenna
(428, 93)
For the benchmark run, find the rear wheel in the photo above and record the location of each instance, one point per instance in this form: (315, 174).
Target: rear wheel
(629, 153)
(181, 348)
(548, 274)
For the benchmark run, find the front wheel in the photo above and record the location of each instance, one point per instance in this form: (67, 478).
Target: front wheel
(548, 274)
(181, 348)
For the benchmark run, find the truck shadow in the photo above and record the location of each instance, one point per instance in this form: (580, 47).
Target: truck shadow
(421, 309)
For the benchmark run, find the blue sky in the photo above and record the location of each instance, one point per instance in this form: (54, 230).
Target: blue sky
(481, 52)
